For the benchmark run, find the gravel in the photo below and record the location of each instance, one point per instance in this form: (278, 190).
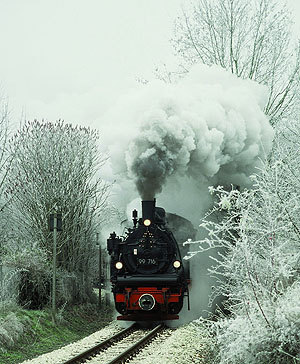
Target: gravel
(189, 344)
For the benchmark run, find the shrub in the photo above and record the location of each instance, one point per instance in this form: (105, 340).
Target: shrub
(11, 328)
(257, 233)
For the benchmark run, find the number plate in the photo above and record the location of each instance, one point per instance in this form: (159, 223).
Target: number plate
(146, 261)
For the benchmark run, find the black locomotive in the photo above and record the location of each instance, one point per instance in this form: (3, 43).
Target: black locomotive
(149, 280)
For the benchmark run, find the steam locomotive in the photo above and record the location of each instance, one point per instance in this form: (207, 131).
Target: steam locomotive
(148, 277)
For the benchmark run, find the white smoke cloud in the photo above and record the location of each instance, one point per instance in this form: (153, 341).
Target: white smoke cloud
(208, 128)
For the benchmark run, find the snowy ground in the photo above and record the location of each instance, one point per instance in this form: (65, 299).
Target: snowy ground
(187, 344)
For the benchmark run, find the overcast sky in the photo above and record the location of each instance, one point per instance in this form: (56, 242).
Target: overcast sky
(71, 59)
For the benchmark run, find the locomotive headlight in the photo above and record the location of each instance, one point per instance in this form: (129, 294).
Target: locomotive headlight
(177, 264)
(147, 222)
(119, 265)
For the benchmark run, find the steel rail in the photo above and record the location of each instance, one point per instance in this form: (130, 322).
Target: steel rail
(103, 345)
(136, 347)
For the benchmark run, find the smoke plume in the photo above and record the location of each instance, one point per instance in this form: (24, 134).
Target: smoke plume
(209, 127)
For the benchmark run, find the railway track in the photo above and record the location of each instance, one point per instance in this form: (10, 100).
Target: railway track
(117, 348)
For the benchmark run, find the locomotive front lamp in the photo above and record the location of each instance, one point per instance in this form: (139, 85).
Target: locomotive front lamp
(147, 222)
(176, 264)
(119, 265)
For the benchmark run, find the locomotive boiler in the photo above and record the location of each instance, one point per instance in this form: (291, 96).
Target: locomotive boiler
(149, 280)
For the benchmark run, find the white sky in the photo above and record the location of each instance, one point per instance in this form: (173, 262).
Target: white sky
(71, 59)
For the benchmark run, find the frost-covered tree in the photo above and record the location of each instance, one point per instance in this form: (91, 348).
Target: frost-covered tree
(249, 38)
(55, 169)
(259, 236)
(4, 156)
(5, 161)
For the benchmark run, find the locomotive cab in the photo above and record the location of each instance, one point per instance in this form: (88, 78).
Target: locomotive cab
(147, 275)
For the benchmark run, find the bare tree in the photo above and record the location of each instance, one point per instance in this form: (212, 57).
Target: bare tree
(5, 157)
(250, 38)
(55, 169)
(5, 160)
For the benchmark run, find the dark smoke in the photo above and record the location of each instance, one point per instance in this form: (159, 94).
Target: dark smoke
(153, 167)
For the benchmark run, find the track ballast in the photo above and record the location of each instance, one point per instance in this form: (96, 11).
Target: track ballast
(118, 348)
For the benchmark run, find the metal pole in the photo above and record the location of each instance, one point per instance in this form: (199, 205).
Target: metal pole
(100, 270)
(54, 270)
(106, 280)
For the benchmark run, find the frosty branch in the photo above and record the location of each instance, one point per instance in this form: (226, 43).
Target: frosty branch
(251, 39)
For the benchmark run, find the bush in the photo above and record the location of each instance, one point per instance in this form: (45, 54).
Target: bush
(257, 233)
(248, 339)
(11, 328)
(34, 275)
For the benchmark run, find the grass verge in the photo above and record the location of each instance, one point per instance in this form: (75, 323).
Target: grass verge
(38, 335)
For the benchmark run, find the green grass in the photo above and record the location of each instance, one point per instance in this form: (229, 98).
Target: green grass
(41, 336)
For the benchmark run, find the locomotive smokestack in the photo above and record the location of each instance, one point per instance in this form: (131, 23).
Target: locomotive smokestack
(148, 210)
